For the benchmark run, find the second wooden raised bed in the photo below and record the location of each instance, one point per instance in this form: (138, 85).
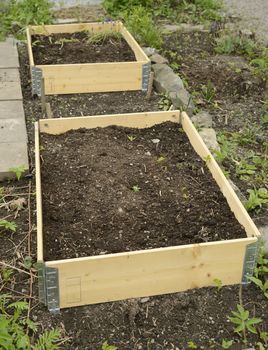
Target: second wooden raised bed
(103, 278)
(89, 77)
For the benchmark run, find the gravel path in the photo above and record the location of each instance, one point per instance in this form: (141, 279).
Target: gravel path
(254, 15)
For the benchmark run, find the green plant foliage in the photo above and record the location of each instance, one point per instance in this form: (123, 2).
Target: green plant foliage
(226, 344)
(243, 322)
(262, 285)
(106, 346)
(18, 14)
(13, 328)
(135, 188)
(18, 171)
(257, 197)
(233, 44)
(8, 225)
(141, 24)
(218, 283)
(192, 345)
(208, 91)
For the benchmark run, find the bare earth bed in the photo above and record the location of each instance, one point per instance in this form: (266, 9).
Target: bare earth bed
(74, 48)
(88, 197)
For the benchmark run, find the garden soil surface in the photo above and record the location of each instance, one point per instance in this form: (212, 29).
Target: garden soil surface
(88, 198)
(158, 323)
(74, 48)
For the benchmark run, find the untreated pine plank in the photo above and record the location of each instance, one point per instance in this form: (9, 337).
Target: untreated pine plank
(133, 120)
(75, 27)
(38, 196)
(139, 53)
(234, 203)
(149, 272)
(92, 77)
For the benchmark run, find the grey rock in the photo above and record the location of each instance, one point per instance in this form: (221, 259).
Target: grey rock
(144, 300)
(202, 119)
(246, 33)
(156, 58)
(165, 80)
(210, 138)
(149, 51)
(183, 27)
(264, 232)
(182, 100)
(239, 194)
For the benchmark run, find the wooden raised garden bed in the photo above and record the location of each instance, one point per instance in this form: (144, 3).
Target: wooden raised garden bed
(106, 276)
(85, 77)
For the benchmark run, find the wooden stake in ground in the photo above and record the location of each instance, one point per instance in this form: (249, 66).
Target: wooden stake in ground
(150, 86)
(43, 97)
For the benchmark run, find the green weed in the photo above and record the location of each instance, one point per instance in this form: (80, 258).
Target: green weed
(226, 344)
(19, 171)
(106, 346)
(141, 24)
(233, 44)
(8, 225)
(262, 285)
(13, 328)
(135, 188)
(16, 15)
(208, 91)
(218, 283)
(192, 345)
(257, 197)
(243, 323)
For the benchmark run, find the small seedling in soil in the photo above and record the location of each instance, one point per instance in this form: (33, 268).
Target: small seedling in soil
(106, 346)
(161, 159)
(218, 283)
(135, 188)
(8, 225)
(226, 344)
(208, 91)
(6, 274)
(262, 285)
(207, 159)
(262, 262)
(243, 322)
(264, 337)
(264, 119)
(192, 345)
(131, 138)
(28, 262)
(18, 171)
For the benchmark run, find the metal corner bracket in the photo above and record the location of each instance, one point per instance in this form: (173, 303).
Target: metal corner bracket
(36, 81)
(146, 70)
(250, 261)
(48, 283)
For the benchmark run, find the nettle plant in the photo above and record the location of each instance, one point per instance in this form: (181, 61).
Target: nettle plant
(16, 328)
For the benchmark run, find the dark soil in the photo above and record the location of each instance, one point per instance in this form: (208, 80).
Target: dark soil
(165, 322)
(87, 180)
(74, 48)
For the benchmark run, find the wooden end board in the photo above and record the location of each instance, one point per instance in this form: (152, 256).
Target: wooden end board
(149, 272)
(90, 77)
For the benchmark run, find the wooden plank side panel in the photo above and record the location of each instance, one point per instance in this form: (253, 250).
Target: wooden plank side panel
(234, 202)
(139, 53)
(147, 273)
(134, 120)
(38, 196)
(95, 77)
(75, 27)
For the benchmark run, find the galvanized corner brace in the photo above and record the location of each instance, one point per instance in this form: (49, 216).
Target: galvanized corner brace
(250, 261)
(146, 70)
(48, 283)
(36, 81)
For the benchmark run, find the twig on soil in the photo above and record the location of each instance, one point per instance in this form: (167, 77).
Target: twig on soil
(15, 268)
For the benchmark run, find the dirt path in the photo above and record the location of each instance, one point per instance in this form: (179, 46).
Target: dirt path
(254, 15)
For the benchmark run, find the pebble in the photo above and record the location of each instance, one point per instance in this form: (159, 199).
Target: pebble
(144, 300)
(155, 141)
